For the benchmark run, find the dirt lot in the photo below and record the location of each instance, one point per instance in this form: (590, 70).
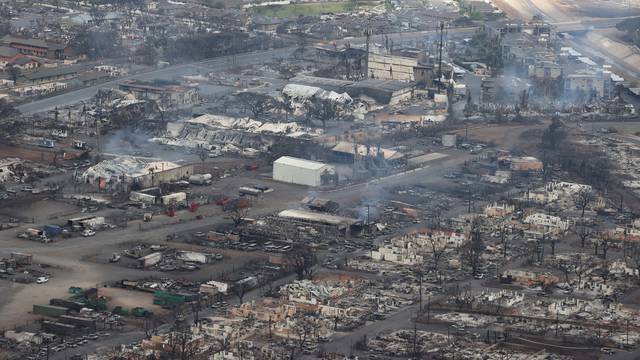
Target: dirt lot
(129, 299)
(505, 137)
(83, 261)
(36, 154)
(37, 211)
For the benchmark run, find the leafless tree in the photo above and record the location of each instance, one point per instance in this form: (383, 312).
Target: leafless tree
(583, 232)
(302, 259)
(566, 267)
(582, 198)
(605, 243)
(240, 289)
(553, 241)
(436, 217)
(475, 247)
(150, 327)
(202, 154)
(237, 215)
(503, 239)
(437, 251)
(286, 104)
(305, 326)
(418, 274)
(579, 267)
(634, 258)
(196, 306)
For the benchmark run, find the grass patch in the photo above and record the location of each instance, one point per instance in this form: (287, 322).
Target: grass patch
(312, 9)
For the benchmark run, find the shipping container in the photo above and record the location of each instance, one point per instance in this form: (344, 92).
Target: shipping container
(50, 310)
(79, 321)
(72, 305)
(58, 328)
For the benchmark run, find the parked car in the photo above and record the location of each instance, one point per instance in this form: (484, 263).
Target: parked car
(42, 280)
(88, 232)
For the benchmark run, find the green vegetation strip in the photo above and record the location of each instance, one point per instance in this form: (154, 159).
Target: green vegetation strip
(311, 9)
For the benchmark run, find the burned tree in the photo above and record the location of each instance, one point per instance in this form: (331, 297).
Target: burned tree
(566, 267)
(237, 215)
(150, 327)
(582, 199)
(502, 232)
(196, 306)
(634, 258)
(302, 259)
(286, 105)
(321, 109)
(257, 104)
(583, 232)
(437, 252)
(475, 247)
(240, 289)
(605, 243)
(579, 267)
(306, 326)
(553, 135)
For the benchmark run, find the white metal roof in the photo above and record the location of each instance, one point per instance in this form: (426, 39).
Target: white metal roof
(317, 217)
(300, 163)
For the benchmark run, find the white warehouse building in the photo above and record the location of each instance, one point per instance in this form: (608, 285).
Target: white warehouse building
(302, 172)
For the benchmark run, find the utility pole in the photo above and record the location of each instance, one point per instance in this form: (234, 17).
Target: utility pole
(368, 206)
(440, 53)
(366, 65)
(98, 136)
(627, 332)
(420, 282)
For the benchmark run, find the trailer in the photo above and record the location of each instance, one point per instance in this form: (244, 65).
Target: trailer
(200, 179)
(150, 260)
(168, 300)
(245, 190)
(52, 230)
(22, 258)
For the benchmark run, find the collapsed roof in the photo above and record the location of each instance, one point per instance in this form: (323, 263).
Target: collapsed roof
(303, 92)
(130, 167)
(219, 129)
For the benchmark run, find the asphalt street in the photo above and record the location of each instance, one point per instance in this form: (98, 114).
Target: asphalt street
(205, 66)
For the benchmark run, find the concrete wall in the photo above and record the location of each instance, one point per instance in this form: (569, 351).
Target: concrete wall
(388, 67)
(165, 176)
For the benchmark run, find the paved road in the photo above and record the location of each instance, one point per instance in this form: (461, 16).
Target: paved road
(554, 13)
(169, 72)
(216, 64)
